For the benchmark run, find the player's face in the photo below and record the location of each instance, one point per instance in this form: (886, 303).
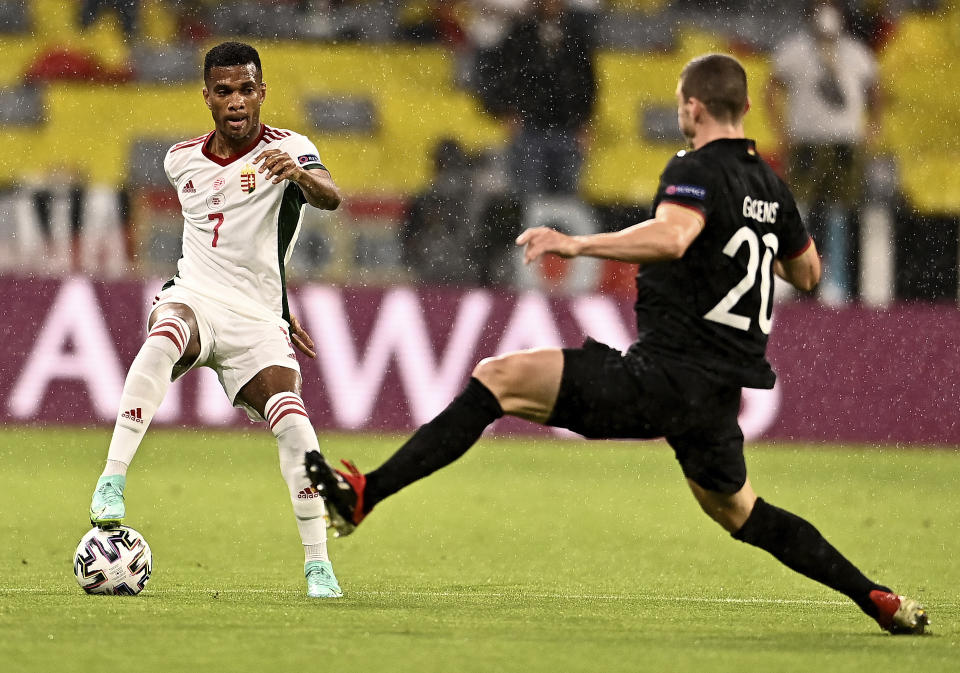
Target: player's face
(685, 115)
(234, 95)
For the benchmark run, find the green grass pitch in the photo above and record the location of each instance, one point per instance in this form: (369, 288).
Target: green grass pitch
(526, 555)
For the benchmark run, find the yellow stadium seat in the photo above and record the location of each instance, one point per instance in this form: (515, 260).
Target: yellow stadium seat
(90, 128)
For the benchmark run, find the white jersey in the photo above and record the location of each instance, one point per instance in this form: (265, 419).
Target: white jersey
(813, 117)
(238, 227)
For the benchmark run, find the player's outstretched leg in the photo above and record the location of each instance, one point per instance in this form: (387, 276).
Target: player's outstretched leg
(351, 495)
(288, 420)
(143, 391)
(797, 544)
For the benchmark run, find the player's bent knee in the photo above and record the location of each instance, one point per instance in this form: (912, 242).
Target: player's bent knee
(728, 510)
(184, 314)
(489, 371)
(503, 375)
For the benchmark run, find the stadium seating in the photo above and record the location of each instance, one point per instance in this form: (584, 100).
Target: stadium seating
(405, 98)
(922, 87)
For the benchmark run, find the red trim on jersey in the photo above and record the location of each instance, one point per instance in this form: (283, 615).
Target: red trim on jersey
(801, 250)
(189, 143)
(191, 140)
(233, 157)
(184, 146)
(699, 211)
(277, 133)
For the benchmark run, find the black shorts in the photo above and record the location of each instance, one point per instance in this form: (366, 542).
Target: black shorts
(605, 395)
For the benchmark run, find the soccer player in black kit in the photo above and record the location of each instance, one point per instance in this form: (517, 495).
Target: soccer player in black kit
(723, 224)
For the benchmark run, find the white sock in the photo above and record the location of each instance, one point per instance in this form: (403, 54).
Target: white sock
(114, 467)
(144, 389)
(315, 552)
(290, 424)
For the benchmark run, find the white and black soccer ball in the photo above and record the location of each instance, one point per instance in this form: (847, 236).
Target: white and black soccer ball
(113, 561)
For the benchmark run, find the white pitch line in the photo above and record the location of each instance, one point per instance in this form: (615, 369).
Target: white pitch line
(481, 594)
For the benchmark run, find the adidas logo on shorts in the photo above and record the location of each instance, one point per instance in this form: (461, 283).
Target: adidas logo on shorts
(309, 493)
(134, 415)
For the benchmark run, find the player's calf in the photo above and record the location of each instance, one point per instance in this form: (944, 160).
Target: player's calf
(143, 391)
(146, 384)
(287, 417)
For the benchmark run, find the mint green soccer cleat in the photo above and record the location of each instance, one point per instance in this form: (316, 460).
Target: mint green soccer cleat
(107, 508)
(321, 582)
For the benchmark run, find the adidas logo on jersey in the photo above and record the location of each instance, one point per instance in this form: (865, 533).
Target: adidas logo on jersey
(188, 188)
(134, 415)
(309, 493)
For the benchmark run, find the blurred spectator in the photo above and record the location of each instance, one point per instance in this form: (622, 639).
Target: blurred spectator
(433, 21)
(489, 21)
(824, 104)
(127, 10)
(436, 234)
(872, 22)
(460, 230)
(542, 81)
(193, 24)
(63, 226)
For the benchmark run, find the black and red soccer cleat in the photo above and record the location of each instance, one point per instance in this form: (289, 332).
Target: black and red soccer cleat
(898, 614)
(342, 492)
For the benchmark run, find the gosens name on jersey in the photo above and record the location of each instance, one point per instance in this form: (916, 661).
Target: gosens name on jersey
(713, 307)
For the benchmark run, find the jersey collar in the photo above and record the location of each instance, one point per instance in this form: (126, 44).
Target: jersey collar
(748, 144)
(233, 157)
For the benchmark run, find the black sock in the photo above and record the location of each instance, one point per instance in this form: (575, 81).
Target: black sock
(801, 547)
(436, 444)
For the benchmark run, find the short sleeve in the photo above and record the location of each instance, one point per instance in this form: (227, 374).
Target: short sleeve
(684, 182)
(793, 235)
(303, 151)
(167, 169)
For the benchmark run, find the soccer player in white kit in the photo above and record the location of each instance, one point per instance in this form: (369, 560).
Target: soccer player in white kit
(242, 188)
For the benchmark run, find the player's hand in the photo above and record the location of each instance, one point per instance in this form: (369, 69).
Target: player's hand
(279, 165)
(543, 240)
(301, 339)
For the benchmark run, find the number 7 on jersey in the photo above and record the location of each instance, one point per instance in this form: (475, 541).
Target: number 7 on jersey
(218, 217)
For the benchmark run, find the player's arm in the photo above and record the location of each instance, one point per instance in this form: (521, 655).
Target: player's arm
(802, 271)
(664, 237)
(319, 188)
(317, 184)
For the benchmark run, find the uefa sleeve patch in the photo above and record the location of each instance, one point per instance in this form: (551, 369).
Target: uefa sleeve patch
(308, 159)
(691, 191)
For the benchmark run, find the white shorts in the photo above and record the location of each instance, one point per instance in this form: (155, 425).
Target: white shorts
(237, 347)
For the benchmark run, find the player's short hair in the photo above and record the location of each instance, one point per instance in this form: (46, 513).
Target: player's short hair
(231, 53)
(719, 82)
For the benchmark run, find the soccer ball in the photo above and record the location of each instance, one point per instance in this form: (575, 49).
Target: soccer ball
(113, 561)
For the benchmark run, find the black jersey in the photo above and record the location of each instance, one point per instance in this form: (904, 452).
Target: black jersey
(713, 306)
